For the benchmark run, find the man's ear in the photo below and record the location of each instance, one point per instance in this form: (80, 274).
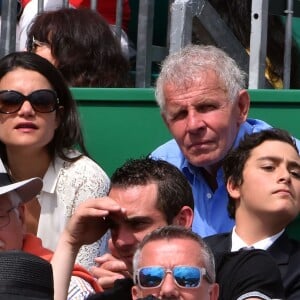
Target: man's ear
(135, 292)
(243, 105)
(214, 291)
(184, 217)
(233, 189)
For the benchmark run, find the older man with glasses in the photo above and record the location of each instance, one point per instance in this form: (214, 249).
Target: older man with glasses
(14, 236)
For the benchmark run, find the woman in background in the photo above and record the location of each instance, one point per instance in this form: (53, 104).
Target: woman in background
(80, 43)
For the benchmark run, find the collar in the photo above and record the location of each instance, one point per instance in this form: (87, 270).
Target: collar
(54, 169)
(51, 176)
(238, 243)
(191, 172)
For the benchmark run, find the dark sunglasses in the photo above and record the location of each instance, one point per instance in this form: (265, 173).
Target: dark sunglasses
(43, 101)
(184, 276)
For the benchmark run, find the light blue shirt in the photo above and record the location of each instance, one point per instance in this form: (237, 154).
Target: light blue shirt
(210, 213)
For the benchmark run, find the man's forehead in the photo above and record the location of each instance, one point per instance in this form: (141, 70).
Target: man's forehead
(272, 150)
(187, 250)
(135, 194)
(130, 219)
(203, 78)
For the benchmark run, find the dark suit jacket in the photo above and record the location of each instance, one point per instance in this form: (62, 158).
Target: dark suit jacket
(240, 278)
(120, 291)
(285, 251)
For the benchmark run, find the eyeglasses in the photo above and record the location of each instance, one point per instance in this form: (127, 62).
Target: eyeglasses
(184, 276)
(4, 217)
(34, 43)
(43, 101)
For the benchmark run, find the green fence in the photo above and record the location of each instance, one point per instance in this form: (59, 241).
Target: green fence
(125, 123)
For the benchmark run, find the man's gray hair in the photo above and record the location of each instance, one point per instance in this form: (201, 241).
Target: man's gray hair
(182, 69)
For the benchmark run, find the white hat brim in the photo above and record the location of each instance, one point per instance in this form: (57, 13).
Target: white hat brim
(26, 189)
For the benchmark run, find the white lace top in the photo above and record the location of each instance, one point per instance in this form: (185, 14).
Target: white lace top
(66, 185)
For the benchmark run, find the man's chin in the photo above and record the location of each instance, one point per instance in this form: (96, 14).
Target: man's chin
(202, 160)
(198, 161)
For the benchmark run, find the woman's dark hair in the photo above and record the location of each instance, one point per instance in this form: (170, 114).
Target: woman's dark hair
(83, 45)
(68, 134)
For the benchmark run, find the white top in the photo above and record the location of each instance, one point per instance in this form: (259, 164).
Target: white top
(66, 185)
(28, 14)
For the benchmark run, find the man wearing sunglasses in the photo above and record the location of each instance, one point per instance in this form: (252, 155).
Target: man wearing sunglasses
(174, 263)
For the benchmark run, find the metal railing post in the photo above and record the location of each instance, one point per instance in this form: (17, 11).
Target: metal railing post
(258, 43)
(288, 45)
(8, 27)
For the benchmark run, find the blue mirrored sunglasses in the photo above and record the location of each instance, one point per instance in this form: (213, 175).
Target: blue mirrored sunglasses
(184, 276)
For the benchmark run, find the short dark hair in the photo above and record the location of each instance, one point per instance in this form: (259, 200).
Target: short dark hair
(174, 191)
(68, 134)
(234, 162)
(173, 232)
(85, 49)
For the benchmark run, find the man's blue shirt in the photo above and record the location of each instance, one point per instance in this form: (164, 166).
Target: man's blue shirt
(210, 213)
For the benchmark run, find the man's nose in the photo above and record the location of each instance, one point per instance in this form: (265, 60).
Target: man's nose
(123, 237)
(194, 121)
(169, 288)
(284, 175)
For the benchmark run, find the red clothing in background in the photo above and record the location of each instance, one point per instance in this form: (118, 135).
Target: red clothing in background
(107, 8)
(33, 245)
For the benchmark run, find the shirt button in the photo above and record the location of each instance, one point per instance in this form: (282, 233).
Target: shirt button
(208, 195)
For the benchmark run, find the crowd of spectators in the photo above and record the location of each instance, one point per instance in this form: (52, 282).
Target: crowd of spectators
(188, 222)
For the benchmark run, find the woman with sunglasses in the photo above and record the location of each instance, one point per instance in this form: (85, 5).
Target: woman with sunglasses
(39, 130)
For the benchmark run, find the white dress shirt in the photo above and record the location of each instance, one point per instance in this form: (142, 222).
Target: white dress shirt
(238, 243)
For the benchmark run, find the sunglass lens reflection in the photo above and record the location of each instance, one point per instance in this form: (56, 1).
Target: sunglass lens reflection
(187, 277)
(151, 277)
